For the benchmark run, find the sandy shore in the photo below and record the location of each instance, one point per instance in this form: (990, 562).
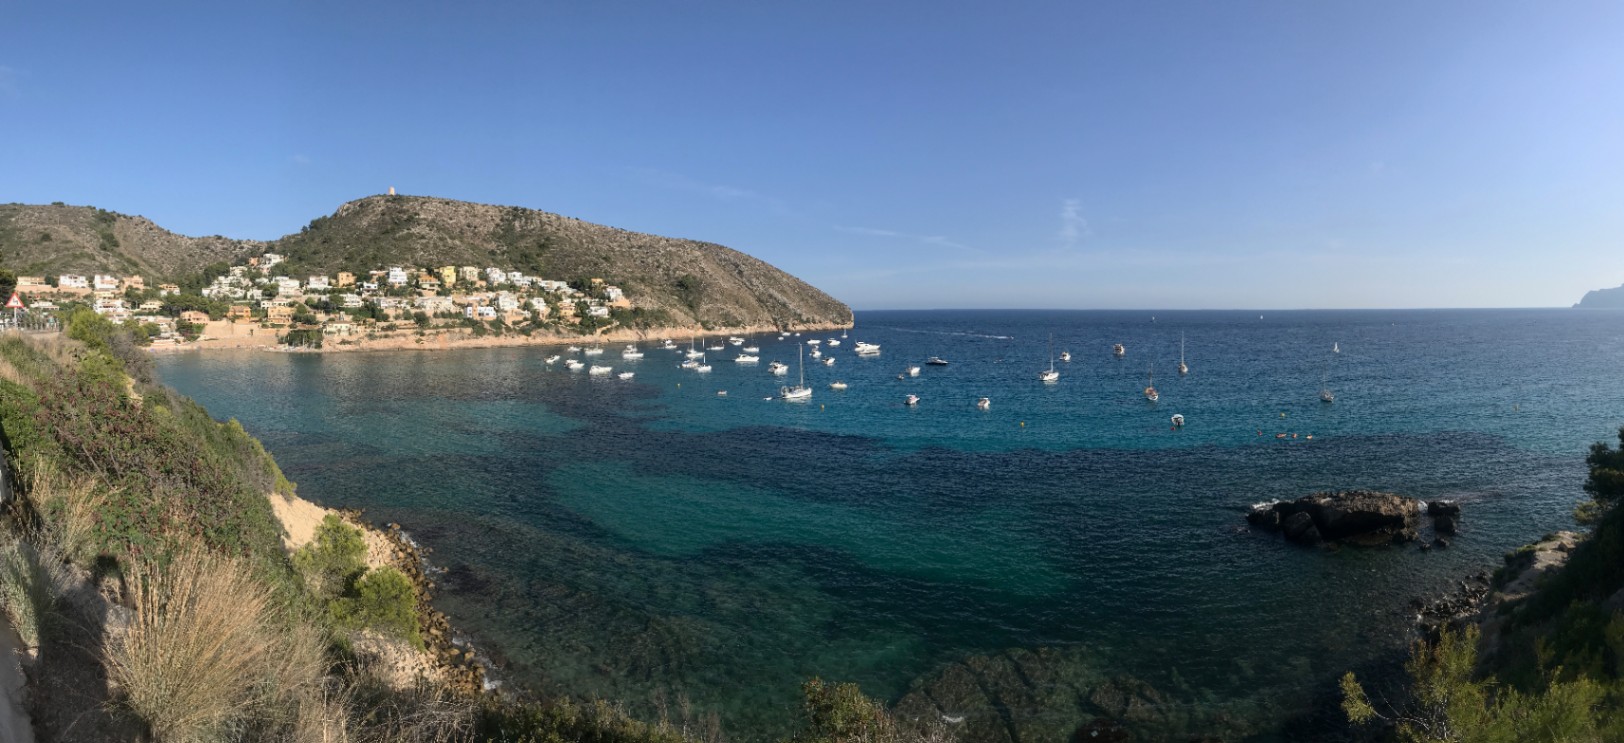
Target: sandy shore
(222, 335)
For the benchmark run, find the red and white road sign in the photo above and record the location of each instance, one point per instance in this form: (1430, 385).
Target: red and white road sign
(15, 303)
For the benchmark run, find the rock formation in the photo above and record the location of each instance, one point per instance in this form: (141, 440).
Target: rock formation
(1357, 517)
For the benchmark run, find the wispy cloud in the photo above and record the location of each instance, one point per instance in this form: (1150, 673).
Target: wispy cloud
(732, 194)
(924, 239)
(1073, 227)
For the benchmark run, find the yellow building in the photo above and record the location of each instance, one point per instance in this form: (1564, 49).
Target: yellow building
(448, 275)
(239, 312)
(278, 315)
(345, 278)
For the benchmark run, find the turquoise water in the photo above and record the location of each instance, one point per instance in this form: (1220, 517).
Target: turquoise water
(653, 542)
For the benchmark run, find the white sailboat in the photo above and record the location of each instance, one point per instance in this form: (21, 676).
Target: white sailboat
(1183, 367)
(704, 366)
(1050, 375)
(799, 391)
(1150, 386)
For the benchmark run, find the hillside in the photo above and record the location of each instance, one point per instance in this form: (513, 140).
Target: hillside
(1603, 298)
(55, 239)
(690, 280)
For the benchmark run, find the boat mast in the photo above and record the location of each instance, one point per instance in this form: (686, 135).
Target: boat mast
(800, 361)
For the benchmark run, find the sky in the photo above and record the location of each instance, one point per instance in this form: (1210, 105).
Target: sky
(896, 154)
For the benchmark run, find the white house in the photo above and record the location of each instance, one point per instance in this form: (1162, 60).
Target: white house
(495, 276)
(482, 312)
(104, 283)
(350, 300)
(270, 259)
(318, 283)
(397, 276)
(286, 287)
(598, 311)
(72, 281)
(468, 274)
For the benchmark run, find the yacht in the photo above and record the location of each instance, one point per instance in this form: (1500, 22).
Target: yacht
(574, 365)
(716, 347)
(816, 354)
(830, 361)
(1150, 386)
(867, 349)
(1118, 351)
(626, 375)
(703, 366)
(1183, 367)
(812, 341)
(984, 404)
(631, 353)
(1049, 375)
(574, 349)
(935, 361)
(910, 400)
(745, 358)
(799, 391)
(913, 371)
(1178, 420)
(593, 351)
(669, 345)
(1065, 356)
(735, 341)
(778, 368)
(751, 349)
(553, 358)
(833, 341)
(689, 364)
(837, 385)
(600, 369)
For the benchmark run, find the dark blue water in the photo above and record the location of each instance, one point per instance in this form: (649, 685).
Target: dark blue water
(652, 542)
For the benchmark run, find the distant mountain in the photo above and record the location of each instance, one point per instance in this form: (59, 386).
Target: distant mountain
(56, 239)
(1603, 299)
(693, 282)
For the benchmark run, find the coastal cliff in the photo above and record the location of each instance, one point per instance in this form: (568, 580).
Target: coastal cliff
(1603, 299)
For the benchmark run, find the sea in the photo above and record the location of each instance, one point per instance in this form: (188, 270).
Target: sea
(1065, 553)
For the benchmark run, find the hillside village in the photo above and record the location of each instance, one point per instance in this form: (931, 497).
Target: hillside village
(261, 299)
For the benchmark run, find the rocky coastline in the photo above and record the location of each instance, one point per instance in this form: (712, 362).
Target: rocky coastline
(456, 663)
(1362, 518)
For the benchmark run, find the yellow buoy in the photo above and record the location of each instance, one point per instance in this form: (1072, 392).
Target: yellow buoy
(1023, 424)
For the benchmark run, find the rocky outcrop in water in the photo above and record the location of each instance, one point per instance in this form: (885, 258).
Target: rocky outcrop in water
(1357, 517)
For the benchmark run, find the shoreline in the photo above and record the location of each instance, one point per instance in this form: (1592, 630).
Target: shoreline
(446, 339)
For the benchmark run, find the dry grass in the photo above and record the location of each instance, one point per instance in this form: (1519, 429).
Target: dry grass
(204, 652)
(27, 589)
(68, 505)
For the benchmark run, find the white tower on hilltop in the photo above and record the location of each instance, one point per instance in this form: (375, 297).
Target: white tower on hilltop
(391, 190)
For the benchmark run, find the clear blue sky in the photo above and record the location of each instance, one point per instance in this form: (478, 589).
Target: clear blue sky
(896, 154)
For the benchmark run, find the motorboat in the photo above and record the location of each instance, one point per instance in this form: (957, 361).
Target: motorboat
(1065, 356)
(600, 370)
(553, 358)
(574, 349)
(833, 341)
(721, 393)
(910, 400)
(593, 351)
(867, 349)
(669, 345)
(574, 365)
(716, 347)
(689, 363)
(626, 375)
(1178, 420)
(913, 371)
(751, 349)
(631, 353)
(816, 354)
(745, 358)
(778, 368)
(735, 341)
(837, 385)
(984, 404)
(935, 361)
(829, 361)
(811, 341)
(1118, 351)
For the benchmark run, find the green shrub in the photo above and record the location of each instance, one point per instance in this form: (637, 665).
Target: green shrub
(384, 600)
(333, 560)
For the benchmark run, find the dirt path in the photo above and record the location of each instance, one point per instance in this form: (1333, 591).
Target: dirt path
(14, 725)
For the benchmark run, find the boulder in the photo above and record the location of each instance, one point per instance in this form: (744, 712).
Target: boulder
(1300, 528)
(1443, 508)
(1443, 524)
(1264, 515)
